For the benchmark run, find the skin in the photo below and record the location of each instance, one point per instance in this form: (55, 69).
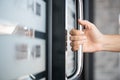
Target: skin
(93, 40)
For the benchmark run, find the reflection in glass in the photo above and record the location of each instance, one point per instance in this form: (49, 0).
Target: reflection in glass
(18, 30)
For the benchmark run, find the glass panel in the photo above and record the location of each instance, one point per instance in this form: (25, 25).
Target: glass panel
(21, 56)
(70, 18)
(22, 38)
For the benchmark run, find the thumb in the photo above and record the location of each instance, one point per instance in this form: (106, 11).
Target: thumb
(85, 24)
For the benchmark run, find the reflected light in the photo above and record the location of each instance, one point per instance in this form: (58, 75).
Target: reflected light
(5, 29)
(16, 29)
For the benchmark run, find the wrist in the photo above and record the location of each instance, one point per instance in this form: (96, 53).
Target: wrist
(103, 43)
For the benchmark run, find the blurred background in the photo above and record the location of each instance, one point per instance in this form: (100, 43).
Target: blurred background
(106, 18)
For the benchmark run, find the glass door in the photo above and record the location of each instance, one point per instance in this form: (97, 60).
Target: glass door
(22, 39)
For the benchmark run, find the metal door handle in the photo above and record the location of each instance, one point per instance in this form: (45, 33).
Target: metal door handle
(79, 53)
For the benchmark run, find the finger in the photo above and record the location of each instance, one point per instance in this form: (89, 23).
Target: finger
(76, 43)
(82, 22)
(85, 23)
(75, 48)
(76, 32)
(78, 38)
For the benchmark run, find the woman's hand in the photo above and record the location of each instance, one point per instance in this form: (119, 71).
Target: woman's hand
(90, 37)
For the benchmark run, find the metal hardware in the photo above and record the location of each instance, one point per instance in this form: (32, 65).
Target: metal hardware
(79, 53)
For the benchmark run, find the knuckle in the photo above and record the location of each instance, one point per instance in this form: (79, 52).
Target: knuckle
(74, 43)
(72, 31)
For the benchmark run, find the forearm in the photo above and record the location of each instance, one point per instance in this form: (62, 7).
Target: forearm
(111, 43)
